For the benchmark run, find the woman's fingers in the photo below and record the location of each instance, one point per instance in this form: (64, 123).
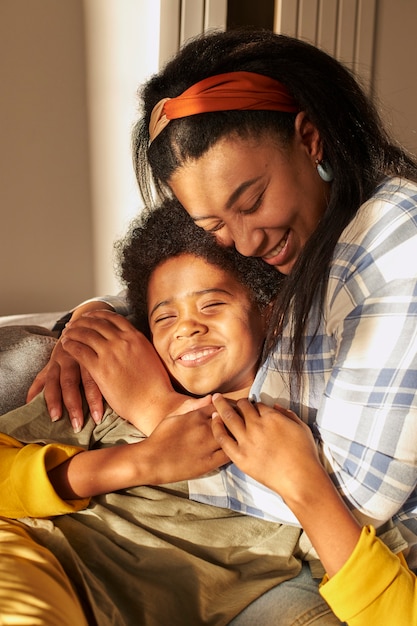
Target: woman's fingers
(62, 386)
(93, 396)
(230, 420)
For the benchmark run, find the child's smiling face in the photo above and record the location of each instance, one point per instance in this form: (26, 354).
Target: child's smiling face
(205, 326)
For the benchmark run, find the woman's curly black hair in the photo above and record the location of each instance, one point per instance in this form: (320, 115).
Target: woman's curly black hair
(168, 231)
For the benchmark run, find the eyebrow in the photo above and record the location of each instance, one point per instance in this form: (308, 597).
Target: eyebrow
(194, 293)
(234, 196)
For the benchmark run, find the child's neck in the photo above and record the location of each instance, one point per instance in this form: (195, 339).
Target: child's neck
(237, 395)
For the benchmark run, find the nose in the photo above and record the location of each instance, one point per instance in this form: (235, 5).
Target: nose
(246, 239)
(189, 327)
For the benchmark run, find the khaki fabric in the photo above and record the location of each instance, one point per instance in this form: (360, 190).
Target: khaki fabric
(150, 556)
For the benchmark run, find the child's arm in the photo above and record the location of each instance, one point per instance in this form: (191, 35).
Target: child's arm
(24, 484)
(180, 448)
(43, 480)
(126, 368)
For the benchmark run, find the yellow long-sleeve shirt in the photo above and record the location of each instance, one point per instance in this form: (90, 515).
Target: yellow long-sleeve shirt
(374, 587)
(24, 484)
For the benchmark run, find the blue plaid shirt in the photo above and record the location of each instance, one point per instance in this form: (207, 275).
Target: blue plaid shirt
(359, 389)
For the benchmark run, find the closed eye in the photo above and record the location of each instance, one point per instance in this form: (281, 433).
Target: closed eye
(213, 305)
(164, 318)
(255, 206)
(213, 229)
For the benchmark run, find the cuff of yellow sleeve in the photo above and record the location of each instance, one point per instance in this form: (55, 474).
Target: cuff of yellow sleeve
(32, 494)
(371, 566)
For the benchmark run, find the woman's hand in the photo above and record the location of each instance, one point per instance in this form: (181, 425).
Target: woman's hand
(124, 366)
(273, 446)
(277, 449)
(61, 379)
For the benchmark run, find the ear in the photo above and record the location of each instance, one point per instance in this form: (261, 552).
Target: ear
(309, 136)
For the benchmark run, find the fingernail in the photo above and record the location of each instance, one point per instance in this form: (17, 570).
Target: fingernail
(76, 425)
(55, 416)
(96, 417)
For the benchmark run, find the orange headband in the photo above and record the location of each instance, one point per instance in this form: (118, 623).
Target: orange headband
(233, 91)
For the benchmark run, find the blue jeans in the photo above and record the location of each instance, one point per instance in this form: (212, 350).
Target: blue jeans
(295, 602)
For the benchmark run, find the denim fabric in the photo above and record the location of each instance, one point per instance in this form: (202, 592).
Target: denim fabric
(24, 350)
(295, 602)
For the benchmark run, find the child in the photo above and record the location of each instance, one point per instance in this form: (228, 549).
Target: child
(149, 554)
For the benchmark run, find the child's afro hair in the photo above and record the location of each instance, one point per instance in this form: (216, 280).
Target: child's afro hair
(168, 231)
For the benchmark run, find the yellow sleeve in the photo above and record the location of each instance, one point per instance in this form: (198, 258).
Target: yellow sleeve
(24, 484)
(374, 586)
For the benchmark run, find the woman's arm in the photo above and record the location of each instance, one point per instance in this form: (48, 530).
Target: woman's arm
(366, 583)
(278, 450)
(125, 367)
(374, 586)
(118, 362)
(368, 412)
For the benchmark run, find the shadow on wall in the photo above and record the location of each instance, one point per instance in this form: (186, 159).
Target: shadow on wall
(259, 14)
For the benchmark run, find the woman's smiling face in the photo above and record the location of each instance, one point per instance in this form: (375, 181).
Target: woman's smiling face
(265, 199)
(204, 326)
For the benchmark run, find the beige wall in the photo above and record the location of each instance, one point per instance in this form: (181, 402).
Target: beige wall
(395, 68)
(46, 193)
(70, 73)
(46, 261)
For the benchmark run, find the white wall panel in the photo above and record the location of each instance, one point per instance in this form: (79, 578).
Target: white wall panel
(121, 53)
(215, 14)
(307, 19)
(192, 18)
(286, 17)
(327, 26)
(169, 29)
(345, 36)
(182, 19)
(344, 28)
(365, 40)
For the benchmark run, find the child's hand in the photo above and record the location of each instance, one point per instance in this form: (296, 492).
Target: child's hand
(182, 447)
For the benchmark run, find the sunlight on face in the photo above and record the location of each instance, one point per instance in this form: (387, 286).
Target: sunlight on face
(204, 326)
(249, 192)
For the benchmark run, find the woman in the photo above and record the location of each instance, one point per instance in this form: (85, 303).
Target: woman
(271, 145)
